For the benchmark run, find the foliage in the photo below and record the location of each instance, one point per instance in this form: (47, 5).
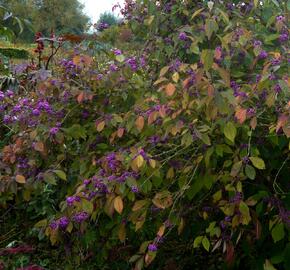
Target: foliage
(14, 53)
(170, 154)
(61, 16)
(106, 20)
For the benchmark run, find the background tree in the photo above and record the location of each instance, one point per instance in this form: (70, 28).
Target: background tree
(62, 16)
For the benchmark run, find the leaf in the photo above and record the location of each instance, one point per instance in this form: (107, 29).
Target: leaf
(39, 146)
(81, 97)
(122, 232)
(250, 172)
(268, 266)
(258, 163)
(60, 174)
(41, 223)
(175, 77)
(210, 27)
(207, 58)
(139, 205)
(100, 126)
(118, 204)
(152, 163)
(253, 123)
(120, 58)
(205, 243)
(241, 115)
(140, 123)
(161, 230)
(197, 241)
(170, 89)
(163, 71)
(278, 232)
(196, 13)
(87, 206)
(139, 161)
(20, 179)
(245, 211)
(236, 168)
(230, 131)
(224, 74)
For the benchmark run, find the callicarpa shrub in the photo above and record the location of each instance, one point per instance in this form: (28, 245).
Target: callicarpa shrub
(174, 155)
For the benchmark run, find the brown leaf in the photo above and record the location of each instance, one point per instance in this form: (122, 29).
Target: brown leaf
(161, 230)
(20, 179)
(253, 123)
(81, 97)
(118, 204)
(230, 253)
(120, 132)
(140, 123)
(39, 146)
(241, 115)
(170, 89)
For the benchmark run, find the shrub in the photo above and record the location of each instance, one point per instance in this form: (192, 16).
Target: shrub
(175, 150)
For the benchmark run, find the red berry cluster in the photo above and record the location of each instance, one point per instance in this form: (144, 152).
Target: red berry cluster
(39, 42)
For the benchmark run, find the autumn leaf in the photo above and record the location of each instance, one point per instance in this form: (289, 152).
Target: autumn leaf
(140, 123)
(241, 115)
(20, 179)
(118, 204)
(170, 89)
(39, 146)
(100, 126)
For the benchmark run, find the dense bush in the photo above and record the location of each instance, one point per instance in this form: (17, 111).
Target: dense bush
(14, 53)
(171, 155)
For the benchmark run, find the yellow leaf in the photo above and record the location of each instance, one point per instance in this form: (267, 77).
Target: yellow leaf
(41, 223)
(161, 231)
(122, 232)
(118, 204)
(163, 71)
(20, 179)
(139, 161)
(139, 205)
(170, 89)
(100, 126)
(175, 77)
(140, 123)
(77, 60)
(152, 163)
(196, 13)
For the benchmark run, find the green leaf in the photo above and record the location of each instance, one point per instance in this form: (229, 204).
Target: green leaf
(207, 58)
(245, 211)
(268, 266)
(87, 206)
(236, 168)
(197, 241)
(205, 138)
(258, 163)
(49, 178)
(230, 131)
(278, 232)
(205, 243)
(210, 27)
(250, 172)
(60, 174)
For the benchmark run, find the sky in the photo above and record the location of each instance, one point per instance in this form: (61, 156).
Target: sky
(93, 8)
